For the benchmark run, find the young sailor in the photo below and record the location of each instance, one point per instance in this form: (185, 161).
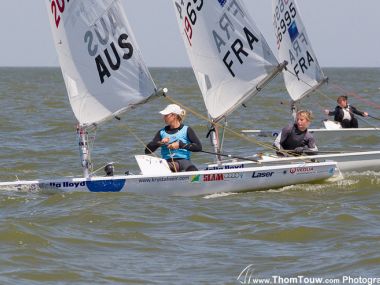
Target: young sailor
(296, 138)
(344, 113)
(176, 140)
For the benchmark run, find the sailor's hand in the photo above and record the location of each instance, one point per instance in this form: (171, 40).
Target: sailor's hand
(365, 114)
(298, 150)
(174, 145)
(165, 140)
(327, 111)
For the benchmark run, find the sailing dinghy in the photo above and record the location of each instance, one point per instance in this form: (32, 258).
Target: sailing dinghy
(304, 76)
(105, 76)
(230, 58)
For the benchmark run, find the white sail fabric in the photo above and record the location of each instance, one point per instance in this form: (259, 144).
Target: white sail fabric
(304, 73)
(228, 53)
(101, 63)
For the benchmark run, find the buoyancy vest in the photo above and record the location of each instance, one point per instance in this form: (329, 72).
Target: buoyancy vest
(181, 135)
(296, 138)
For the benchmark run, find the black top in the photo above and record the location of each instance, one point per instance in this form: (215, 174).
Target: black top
(194, 145)
(291, 138)
(339, 114)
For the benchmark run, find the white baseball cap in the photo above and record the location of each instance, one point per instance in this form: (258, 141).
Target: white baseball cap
(172, 108)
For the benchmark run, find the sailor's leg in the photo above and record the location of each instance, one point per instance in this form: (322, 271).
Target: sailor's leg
(174, 166)
(346, 124)
(187, 165)
(354, 123)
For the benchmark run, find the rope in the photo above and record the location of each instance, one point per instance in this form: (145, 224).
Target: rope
(231, 131)
(146, 146)
(97, 170)
(173, 162)
(353, 94)
(139, 140)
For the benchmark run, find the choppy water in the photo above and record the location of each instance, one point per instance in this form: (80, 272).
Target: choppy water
(327, 230)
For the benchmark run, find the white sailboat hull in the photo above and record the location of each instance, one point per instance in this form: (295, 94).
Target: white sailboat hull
(316, 132)
(188, 183)
(346, 162)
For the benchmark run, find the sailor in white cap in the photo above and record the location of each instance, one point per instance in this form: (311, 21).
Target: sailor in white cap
(176, 140)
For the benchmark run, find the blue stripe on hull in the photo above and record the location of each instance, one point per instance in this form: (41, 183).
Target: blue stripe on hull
(106, 185)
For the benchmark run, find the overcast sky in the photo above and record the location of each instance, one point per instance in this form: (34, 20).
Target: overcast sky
(343, 32)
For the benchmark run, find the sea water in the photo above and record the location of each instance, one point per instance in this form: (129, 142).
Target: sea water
(327, 230)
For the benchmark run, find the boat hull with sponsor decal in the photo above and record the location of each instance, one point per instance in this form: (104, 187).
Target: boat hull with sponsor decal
(346, 162)
(188, 183)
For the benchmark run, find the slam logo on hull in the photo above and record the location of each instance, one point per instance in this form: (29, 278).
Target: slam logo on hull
(213, 177)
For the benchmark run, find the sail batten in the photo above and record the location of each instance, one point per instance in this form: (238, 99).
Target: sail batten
(303, 73)
(102, 66)
(228, 53)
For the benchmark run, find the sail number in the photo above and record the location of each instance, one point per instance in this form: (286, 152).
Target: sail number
(57, 8)
(190, 19)
(286, 21)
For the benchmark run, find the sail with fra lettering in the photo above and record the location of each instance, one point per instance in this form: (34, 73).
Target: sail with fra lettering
(100, 61)
(228, 53)
(303, 74)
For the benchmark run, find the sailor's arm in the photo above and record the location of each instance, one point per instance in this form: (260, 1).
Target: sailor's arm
(194, 145)
(154, 144)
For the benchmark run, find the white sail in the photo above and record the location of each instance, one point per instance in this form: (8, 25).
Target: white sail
(101, 63)
(229, 55)
(304, 73)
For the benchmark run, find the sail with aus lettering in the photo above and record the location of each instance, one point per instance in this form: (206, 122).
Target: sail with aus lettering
(100, 60)
(229, 55)
(303, 74)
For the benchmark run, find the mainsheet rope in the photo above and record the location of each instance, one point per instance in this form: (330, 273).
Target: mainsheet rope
(231, 131)
(146, 146)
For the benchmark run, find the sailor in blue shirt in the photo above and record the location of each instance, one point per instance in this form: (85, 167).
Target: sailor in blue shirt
(176, 140)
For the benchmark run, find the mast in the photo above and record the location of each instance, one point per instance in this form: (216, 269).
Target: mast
(84, 150)
(213, 134)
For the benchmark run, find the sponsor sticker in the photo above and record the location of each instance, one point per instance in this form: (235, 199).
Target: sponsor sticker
(262, 174)
(213, 177)
(301, 170)
(67, 184)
